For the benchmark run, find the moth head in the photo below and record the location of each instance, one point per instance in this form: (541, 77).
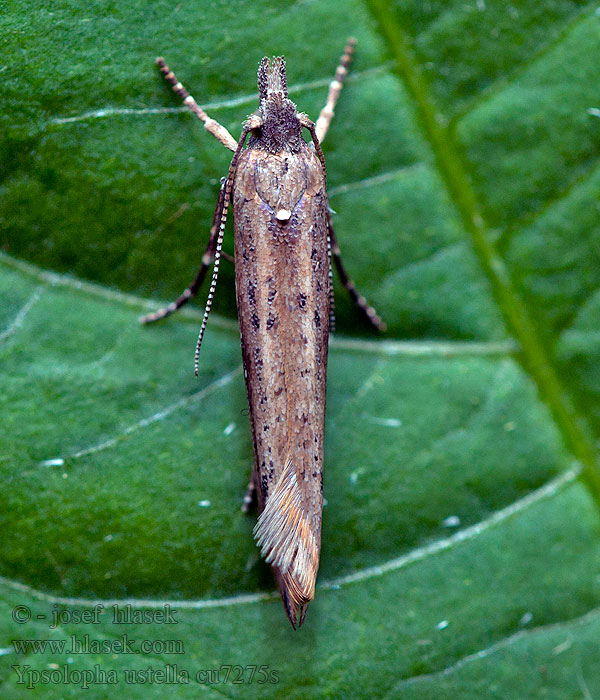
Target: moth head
(275, 123)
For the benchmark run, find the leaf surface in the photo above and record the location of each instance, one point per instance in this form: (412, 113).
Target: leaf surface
(460, 549)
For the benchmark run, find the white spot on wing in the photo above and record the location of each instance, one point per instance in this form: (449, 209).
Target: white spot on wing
(283, 214)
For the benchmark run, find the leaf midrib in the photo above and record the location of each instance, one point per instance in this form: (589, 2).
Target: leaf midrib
(533, 356)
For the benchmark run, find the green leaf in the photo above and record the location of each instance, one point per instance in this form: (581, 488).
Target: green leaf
(460, 544)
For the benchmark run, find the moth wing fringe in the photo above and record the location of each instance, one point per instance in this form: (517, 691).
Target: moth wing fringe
(287, 543)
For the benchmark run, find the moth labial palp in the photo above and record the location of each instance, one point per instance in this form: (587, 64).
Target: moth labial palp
(284, 247)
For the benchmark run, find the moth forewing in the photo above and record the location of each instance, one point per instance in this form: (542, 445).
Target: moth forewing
(282, 285)
(284, 242)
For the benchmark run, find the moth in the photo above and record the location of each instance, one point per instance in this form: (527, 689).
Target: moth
(284, 246)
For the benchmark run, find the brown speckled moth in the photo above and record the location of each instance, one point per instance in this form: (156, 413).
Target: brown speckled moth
(284, 244)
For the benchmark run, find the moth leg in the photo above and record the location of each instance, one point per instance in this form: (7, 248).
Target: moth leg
(335, 87)
(331, 297)
(250, 497)
(357, 298)
(213, 127)
(220, 233)
(207, 259)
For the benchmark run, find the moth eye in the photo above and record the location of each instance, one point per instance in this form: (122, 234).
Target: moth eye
(255, 123)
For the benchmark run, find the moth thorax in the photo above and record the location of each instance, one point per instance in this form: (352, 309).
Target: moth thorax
(281, 129)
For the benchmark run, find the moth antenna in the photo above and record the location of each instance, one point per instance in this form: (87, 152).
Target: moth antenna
(213, 127)
(335, 88)
(213, 283)
(307, 123)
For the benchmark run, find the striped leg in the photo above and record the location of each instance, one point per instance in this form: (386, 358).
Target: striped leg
(357, 298)
(219, 242)
(207, 258)
(213, 127)
(331, 297)
(250, 497)
(335, 87)
(333, 248)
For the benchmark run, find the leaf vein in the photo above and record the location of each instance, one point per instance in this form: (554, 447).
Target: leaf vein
(573, 427)
(548, 490)
(225, 103)
(391, 348)
(375, 179)
(503, 643)
(145, 422)
(17, 323)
